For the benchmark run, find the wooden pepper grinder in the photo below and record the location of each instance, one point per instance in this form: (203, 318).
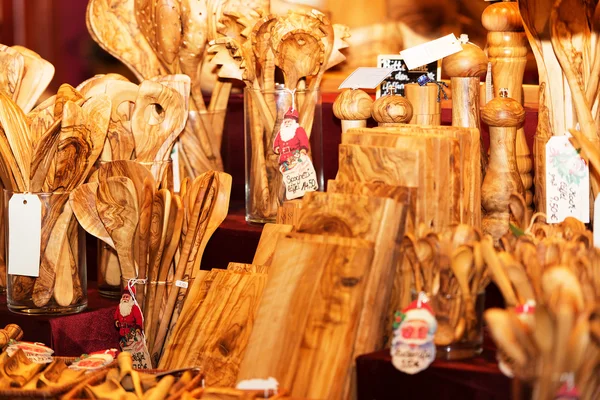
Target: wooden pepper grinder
(353, 107)
(392, 110)
(507, 51)
(10, 331)
(427, 108)
(465, 70)
(503, 115)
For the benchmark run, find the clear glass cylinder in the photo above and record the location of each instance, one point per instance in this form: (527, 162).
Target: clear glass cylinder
(459, 332)
(61, 287)
(109, 269)
(264, 113)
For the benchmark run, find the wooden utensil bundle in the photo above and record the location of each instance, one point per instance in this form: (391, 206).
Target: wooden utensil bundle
(129, 30)
(562, 35)
(300, 337)
(52, 150)
(158, 235)
(448, 267)
(302, 46)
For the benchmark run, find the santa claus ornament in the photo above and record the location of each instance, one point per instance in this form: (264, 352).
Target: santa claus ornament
(292, 145)
(413, 349)
(130, 322)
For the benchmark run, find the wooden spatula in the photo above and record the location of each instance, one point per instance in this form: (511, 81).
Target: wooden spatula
(118, 209)
(37, 74)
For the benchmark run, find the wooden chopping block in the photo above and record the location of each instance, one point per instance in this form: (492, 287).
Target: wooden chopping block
(401, 194)
(308, 317)
(267, 242)
(470, 160)
(440, 186)
(215, 324)
(241, 267)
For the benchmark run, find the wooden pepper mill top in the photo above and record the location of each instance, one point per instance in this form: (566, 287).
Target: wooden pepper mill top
(503, 112)
(470, 62)
(502, 17)
(353, 105)
(392, 109)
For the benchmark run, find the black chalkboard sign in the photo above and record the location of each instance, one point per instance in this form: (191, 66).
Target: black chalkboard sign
(402, 75)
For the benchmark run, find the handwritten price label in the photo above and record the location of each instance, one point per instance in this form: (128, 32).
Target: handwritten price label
(567, 182)
(300, 179)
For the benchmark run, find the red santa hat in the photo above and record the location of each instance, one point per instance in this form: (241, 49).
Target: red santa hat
(421, 312)
(291, 113)
(126, 291)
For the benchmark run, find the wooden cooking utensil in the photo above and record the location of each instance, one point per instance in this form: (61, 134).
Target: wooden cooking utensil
(462, 263)
(16, 148)
(157, 120)
(130, 169)
(106, 17)
(117, 207)
(53, 236)
(13, 66)
(83, 132)
(142, 240)
(298, 53)
(37, 74)
(43, 156)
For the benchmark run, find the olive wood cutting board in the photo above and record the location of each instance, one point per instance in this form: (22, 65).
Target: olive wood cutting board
(214, 326)
(470, 160)
(440, 189)
(267, 243)
(400, 194)
(309, 314)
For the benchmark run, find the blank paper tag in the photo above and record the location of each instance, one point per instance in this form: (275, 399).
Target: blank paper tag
(597, 222)
(181, 284)
(366, 78)
(567, 182)
(24, 234)
(431, 51)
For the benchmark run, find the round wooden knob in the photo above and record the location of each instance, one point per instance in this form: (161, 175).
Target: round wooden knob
(353, 105)
(504, 112)
(392, 109)
(470, 62)
(502, 17)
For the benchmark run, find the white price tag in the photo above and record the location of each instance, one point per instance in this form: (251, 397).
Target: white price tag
(366, 78)
(431, 51)
(176, 176)
(181, 284)
(24, 234)
(596, 231)
(567, 182)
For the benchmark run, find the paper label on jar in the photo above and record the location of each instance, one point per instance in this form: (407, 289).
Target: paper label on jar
(431, 51)
(567, 182)
(36, 352)
(413, 349)
(24, 234)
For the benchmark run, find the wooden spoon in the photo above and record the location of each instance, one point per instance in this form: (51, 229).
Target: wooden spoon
(18, 155)
(37, 74)
(143, 232)
(130, 169)
(12, 64)
(64, 292)
(298, 54)
(491, 259)
(117, 206)
(462, 267)
(112, 25)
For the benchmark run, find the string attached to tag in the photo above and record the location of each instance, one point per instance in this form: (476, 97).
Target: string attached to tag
(293, 93)
(425, 79)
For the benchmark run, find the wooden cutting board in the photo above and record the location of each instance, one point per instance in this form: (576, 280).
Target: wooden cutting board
(215, 324)
(378, 220)
(309, 314)
(441, 184)
(401, 194)
(241, 267)
(469, 143)
(268, 241)
(288, 212)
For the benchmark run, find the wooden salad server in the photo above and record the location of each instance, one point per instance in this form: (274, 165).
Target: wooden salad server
(117, 206)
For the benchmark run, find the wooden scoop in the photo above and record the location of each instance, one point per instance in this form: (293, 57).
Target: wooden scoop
(462, 267)
(118, 209)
